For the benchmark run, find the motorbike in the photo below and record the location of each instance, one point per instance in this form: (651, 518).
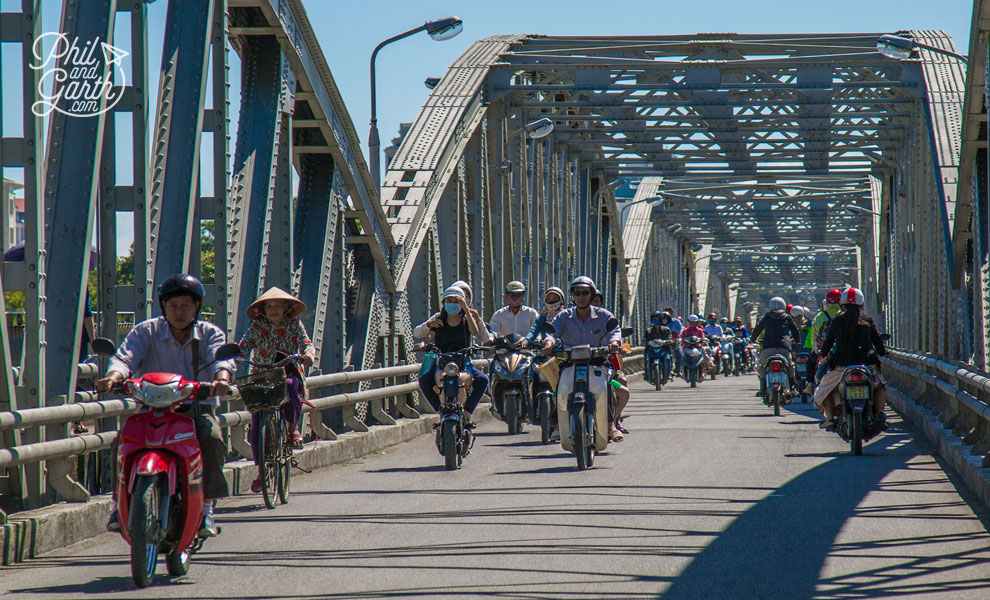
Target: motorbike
(454, 438)
(541, 395)
(582, 399)
(801, 357)
(777, 383)
(160, 470)
(855, 423)
(510, 394)
(693, 359)
(715, 348)
(740, 354)
(659, 359)
(727, 355)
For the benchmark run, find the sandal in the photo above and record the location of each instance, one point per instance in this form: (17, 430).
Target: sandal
(622, 428)
(296, 439)
(615, 435)
(826, 424)
(256, 485)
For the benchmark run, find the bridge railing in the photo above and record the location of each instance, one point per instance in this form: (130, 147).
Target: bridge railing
(957, 394)
(394, 394)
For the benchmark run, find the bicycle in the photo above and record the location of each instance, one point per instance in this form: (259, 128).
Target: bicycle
(265, 392)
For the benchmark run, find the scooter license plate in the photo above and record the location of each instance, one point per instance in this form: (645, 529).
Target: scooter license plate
(777, 377)
(857, 392)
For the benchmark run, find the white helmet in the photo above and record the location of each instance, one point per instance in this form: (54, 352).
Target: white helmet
(777, 303)
(807, 313)
(692, 318)
(797, 311)
(852, 296)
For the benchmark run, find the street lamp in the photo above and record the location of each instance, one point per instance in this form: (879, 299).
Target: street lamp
(535, 130)
(440, 30)
(431, 82)
(673, 229)
(901, 47)
(716, 256)
(625, 207)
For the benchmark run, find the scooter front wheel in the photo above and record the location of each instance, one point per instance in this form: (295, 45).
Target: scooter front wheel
(146, 515)
(545, 407)
(177, 563)
(451, 457)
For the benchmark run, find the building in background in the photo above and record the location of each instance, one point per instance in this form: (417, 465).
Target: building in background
(13, 213)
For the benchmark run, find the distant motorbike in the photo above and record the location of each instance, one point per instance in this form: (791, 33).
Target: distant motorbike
(715, 351)
(778, 383)
(740, 354)
(659, 359)
(726, 355)
(801, 357)
(509, 389)
(542, 407)
(693, 360)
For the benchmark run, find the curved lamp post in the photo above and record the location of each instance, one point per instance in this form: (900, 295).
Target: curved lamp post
(859, 210)
(440, 30)
(539, 128)
(900, 47)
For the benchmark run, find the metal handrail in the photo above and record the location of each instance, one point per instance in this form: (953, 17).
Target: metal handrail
(82, 444)
(959, 397)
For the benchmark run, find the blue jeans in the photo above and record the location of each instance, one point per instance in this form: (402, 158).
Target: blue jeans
(479, 383)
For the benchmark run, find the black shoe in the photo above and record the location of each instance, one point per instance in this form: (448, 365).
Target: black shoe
(208, 528)
(113, 523)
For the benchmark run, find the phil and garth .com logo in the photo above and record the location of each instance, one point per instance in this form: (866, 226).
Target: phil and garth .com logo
(77, 76)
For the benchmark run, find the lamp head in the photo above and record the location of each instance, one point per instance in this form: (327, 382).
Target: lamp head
(895, 46)
(444, 29)
(539, 128)
(431, 82)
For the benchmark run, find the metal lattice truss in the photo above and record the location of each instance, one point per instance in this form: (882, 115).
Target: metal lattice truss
(762, 141)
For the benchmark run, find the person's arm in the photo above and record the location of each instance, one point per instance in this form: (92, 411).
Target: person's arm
(534, 330)
(306, 347)
(829, 340)
(614, 339)
(795, 333)
(249, 340)
(423, 329)
(759, 328)
(494, 325)
(222, 370)
(877, 340)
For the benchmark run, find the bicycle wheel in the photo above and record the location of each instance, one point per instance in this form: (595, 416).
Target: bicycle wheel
(271, 454)
(285, 467)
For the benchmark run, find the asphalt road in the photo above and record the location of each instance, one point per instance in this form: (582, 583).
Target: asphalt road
(710, 496)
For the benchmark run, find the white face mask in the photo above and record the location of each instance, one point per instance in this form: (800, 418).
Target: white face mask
(551, 307)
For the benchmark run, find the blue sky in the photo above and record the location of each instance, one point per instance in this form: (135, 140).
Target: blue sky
(349, 31)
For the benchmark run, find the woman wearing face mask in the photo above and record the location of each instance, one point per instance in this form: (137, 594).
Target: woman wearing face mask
(451, 330)
(553, 301)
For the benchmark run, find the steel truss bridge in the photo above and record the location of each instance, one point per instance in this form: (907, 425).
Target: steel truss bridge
(762, 164)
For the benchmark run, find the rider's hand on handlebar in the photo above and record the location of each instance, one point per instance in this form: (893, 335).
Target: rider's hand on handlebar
(220, 387)
(107, 383)
(548, 348)
(308, 360)
(614, 347)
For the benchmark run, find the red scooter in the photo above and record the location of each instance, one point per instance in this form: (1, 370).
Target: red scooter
(160, 471)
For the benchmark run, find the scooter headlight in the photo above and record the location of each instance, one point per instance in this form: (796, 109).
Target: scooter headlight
(450, 369)
(500, 369)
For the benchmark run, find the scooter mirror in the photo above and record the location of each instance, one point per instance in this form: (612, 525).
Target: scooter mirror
(103, 347)
(227, 351)
(611, 324)
(548, 327)
(627, 331)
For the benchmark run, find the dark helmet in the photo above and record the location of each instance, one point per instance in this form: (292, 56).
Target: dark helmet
(656, 316)
(180, 284)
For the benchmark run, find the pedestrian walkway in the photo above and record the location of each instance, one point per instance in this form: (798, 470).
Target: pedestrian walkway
(709, 496)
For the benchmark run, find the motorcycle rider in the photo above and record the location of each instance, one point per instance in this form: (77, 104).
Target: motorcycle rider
(452, 329)
(816, 335)
(778, 330)
(660, 327)
(514, 317)
(677, 326)
(737, 326)
(695, 329)
(712, 328)
(584, 324)
(179, 342)
(852, 339)
(553, 302)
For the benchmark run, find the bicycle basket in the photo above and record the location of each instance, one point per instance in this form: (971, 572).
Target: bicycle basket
(263, 391)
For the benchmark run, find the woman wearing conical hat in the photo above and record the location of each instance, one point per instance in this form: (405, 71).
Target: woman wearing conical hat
(275, 333)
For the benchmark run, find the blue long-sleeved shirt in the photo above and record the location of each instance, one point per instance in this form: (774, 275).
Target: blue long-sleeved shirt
(571, 330)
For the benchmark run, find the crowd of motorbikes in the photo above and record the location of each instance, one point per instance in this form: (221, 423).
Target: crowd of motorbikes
(730, 355)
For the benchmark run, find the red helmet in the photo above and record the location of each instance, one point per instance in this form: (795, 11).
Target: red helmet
(852, 296)
(712, 316)
(833, 296)
(789, 307)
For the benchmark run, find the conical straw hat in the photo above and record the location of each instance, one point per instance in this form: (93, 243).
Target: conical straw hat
(256, 310)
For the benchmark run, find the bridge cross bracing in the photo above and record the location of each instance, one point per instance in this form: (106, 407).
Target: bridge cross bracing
(753, 144)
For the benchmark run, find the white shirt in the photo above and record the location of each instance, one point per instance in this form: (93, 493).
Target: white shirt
(504, 321)
(713, 330)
